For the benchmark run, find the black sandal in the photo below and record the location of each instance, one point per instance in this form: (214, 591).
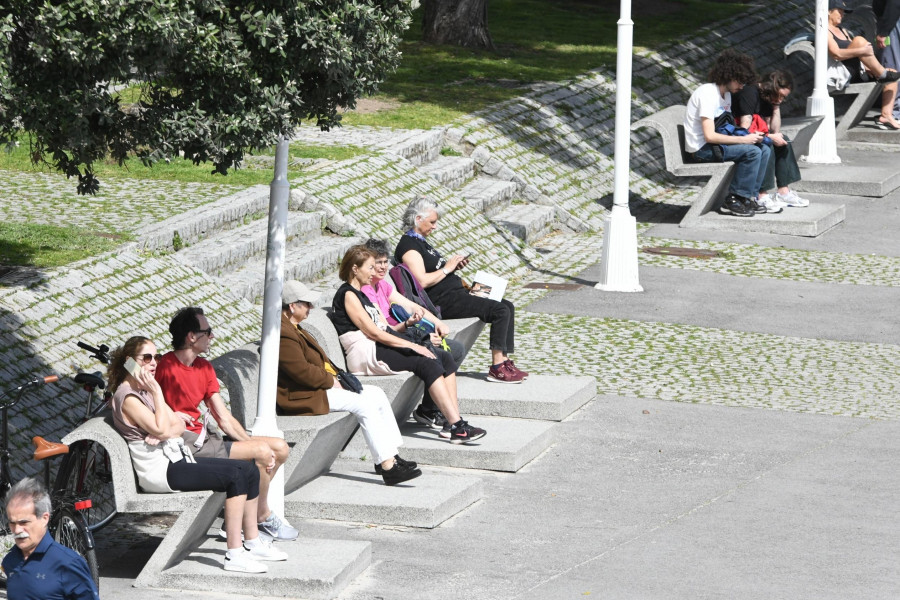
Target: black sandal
(884, 126)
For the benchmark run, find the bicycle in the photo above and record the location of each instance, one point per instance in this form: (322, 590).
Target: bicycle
(67, 524)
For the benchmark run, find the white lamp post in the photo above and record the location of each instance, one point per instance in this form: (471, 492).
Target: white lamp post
(619, 265)
(265, 423)
(823, 145)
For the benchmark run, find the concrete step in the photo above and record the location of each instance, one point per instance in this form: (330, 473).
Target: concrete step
(202, 221)
(450, 171)
(355, 493)
(528, 222)
(822, 214)
(867, 131)
(488, 195)
(508, 446)
(230, 249)
(860, 173)
(420, 148)
(316, 569)
(306, 262)
(546, 397)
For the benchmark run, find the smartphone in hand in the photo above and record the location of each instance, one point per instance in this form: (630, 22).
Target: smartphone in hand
(132, 367)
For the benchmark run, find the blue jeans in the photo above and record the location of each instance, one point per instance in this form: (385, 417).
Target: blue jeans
(750, 168)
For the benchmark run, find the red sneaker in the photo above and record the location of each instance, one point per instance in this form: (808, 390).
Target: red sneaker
(511, 365)
(503, 374)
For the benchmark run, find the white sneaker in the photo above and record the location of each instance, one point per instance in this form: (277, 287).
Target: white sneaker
(793, 200)
(263, 550)
(240, 560)
(770, 204)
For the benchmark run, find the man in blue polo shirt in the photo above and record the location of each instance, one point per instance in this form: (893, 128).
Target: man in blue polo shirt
(38, 568)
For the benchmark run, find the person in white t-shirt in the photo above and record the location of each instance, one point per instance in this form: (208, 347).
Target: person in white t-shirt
(731, 71)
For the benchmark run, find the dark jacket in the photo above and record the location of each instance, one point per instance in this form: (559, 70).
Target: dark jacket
(302, 378)
(888, 13)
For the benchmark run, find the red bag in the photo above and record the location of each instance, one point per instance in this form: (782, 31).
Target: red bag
(758, 124)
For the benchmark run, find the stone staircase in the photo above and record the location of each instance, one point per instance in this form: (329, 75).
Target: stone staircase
(227, 239)
(496, 194)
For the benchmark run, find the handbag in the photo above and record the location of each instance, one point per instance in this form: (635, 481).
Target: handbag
(349, 381)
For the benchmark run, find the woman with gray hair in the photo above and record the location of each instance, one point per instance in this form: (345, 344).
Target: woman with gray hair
(437, 276)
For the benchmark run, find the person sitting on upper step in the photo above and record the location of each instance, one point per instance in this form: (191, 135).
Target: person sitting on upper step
(383, 294)
(438, 277)
(373, 347)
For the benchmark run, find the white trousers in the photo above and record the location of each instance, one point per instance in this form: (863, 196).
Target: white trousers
(376, 419)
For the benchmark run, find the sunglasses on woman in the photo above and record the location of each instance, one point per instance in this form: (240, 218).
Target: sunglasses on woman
(145, 358)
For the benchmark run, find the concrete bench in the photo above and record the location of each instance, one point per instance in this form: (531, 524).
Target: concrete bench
(197, 510)
(317, 440)
(669, 123)
(863, 94)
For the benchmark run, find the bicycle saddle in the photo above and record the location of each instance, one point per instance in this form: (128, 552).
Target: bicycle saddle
(94, 379)
(44, 449)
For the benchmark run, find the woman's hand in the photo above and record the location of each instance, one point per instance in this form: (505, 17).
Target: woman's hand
(456, 262)
(423, 351)
(152, 440)
(441, 329)
(414, 318)
(337, 384)
(146, 381)
(436, 339)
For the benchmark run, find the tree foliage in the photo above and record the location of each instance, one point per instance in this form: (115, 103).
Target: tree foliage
(216, 77)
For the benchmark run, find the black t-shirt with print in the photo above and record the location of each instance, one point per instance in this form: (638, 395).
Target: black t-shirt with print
(339, 316)
(433, 261)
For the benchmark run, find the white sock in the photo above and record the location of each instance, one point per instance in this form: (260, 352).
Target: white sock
(252, 543)
(234, 552)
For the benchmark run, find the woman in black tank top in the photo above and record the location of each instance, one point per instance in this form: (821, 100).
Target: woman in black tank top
(856, 51)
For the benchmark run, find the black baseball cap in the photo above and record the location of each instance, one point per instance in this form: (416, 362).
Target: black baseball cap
(839, 4)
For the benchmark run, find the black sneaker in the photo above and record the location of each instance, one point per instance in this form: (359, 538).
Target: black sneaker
(401, 471)
(463, 433)
(734, 205)
(429, 418)
(379, 469)
(755, 206)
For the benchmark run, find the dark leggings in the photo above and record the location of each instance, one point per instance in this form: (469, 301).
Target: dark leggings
(501, 315)
(427, 369)
(458, 352)
(234, 477)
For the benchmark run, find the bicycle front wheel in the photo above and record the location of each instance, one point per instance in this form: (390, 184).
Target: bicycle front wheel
(86, 474)
(69, 529)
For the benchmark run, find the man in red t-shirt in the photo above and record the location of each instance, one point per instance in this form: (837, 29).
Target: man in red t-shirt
(186, 381)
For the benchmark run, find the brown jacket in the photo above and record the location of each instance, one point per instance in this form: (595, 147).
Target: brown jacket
(302, 378)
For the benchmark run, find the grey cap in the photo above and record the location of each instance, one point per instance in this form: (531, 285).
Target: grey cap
(295, 291)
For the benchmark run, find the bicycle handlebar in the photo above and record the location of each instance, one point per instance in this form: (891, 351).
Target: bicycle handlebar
(21, 389)
(101, 354)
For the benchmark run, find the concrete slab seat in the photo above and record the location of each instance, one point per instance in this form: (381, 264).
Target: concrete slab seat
(863, 95)
(669, 122)
(316, 441)
(198, 509)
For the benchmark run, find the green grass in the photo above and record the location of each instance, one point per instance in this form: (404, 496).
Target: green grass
(535, 40)
(45, 246)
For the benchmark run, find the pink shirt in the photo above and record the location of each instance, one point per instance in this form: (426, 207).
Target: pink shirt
(379, 295)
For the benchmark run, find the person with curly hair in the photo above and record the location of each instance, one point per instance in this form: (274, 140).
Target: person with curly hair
(730, 72)
(759, 107)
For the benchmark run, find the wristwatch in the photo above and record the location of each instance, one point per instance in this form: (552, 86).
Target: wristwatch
(445, 271)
